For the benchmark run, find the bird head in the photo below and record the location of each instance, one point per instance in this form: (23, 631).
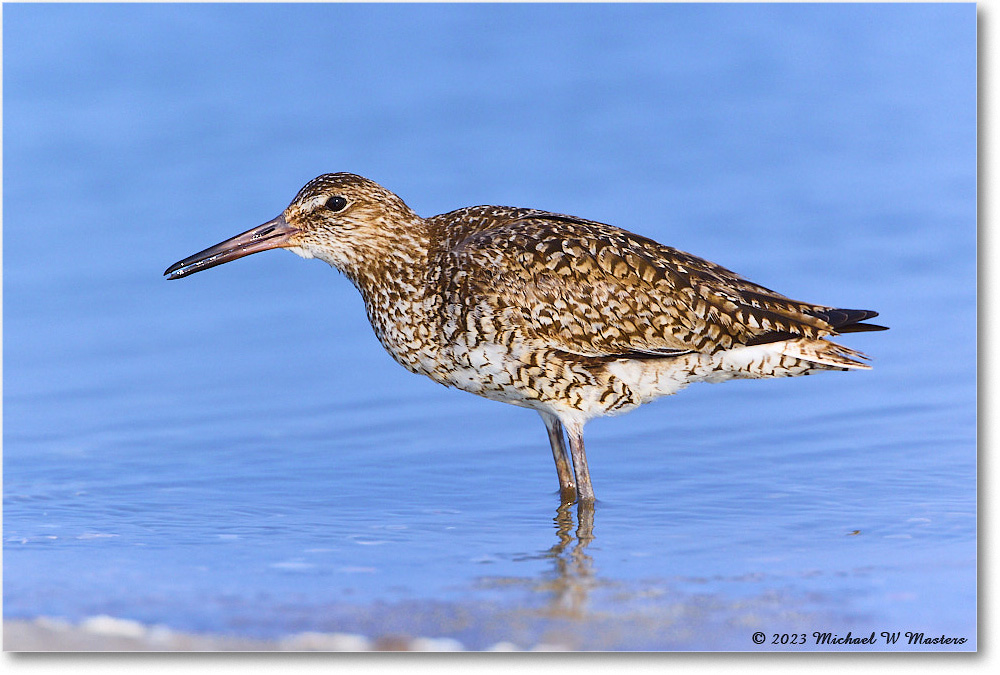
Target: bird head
(346, 220)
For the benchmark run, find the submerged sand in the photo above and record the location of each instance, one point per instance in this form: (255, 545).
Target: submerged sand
(104, 633)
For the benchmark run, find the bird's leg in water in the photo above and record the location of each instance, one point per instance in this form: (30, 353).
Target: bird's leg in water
(584, 490)
(567, 486)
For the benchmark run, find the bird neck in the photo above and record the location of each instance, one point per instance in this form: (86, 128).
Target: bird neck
(395, 259)
(391, 274)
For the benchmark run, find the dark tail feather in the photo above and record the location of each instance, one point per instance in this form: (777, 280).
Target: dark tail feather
(861, 328)
(849, 320)
(841, 320)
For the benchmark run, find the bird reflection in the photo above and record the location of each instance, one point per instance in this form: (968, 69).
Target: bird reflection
(573, 577)
(564, 588)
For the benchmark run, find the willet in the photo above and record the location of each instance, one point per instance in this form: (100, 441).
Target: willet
(569, 317)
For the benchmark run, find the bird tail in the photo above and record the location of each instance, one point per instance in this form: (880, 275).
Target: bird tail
(848, 320)
(825, 354)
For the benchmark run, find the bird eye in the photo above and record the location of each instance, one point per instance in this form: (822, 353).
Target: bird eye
(336, 204)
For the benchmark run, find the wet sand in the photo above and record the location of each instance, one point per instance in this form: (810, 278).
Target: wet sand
(107, 634)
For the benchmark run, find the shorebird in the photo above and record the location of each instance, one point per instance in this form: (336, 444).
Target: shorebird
(569, 317)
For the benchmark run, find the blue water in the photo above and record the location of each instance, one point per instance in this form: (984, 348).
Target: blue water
(234, 453)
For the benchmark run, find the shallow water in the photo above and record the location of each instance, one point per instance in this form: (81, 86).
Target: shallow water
(234, 453)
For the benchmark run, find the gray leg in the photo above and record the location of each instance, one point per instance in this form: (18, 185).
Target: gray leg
(584, 490)
(567, 488)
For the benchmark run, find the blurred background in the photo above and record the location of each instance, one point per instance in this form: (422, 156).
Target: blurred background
(234, 453)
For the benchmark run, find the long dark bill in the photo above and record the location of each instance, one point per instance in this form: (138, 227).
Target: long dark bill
(272, 234)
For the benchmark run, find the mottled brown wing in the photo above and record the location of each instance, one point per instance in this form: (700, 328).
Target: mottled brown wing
(597, 290)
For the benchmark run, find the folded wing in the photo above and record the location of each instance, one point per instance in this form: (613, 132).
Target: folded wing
(596, 290)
